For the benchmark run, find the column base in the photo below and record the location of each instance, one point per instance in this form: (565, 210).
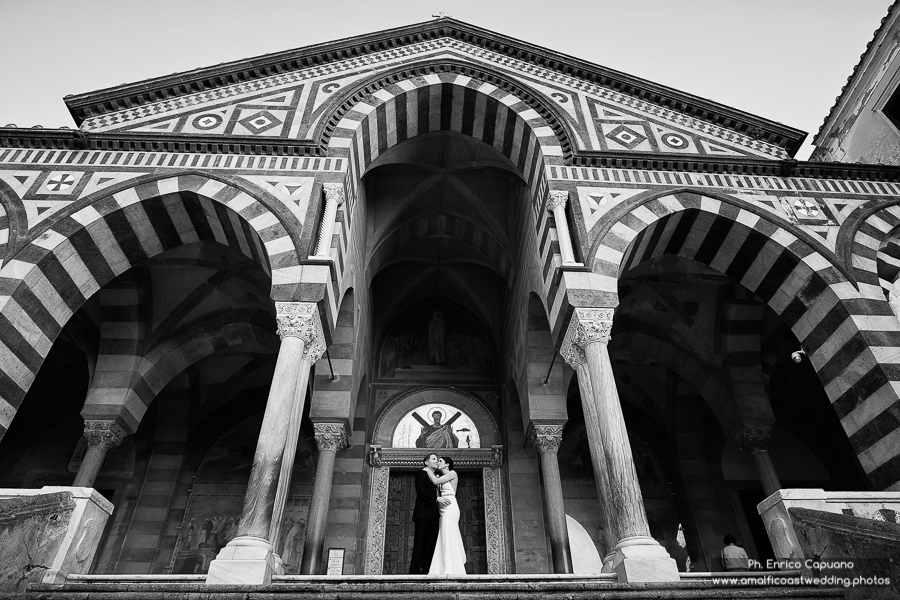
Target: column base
(245, 560)
(643, 559)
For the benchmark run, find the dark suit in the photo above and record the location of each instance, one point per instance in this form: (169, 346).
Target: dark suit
(426, 517)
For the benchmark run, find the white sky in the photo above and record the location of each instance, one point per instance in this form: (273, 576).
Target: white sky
(785, 60)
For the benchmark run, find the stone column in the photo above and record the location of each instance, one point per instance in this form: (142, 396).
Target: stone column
(755, 439)
(330, 437)
(101, 436)
(557, 205)
(249, 558)
(334, 197)
(547, 439)
(636, 556)
(311, 353)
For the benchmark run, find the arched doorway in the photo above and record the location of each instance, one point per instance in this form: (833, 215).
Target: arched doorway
(448, 422)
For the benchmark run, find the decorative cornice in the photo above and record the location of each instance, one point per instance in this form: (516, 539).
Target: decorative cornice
(557, 200)
(103, 434)
(547, 438)
(411, 458)
(301, 320)
(587, 325)
(753, 438)
(330, 437)
(73, 139)
(334, 192)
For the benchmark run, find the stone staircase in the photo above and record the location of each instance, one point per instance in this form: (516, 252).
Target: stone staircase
(697, 586)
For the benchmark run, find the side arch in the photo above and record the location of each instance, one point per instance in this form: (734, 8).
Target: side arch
(853, 341)
(51, 276)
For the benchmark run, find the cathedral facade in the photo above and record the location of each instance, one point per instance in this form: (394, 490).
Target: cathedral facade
(241, 303)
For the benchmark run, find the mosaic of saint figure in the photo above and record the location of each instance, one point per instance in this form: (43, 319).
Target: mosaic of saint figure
(436, 435)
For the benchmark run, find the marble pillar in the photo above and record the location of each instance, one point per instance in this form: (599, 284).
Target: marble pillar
(100, 436)
(754, 439)
(635, 555)
(334, 197)
(330, 438)
(547, 439)
(249, 558)
(311, 354)
(557, 205)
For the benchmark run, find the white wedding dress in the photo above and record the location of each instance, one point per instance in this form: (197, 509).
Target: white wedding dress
(449, 554)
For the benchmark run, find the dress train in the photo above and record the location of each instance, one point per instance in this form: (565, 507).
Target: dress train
(449, 554)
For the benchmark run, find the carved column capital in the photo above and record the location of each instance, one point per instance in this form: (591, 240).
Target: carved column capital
(334, 192)
(588, 325)
(547, 438)
(557, 200)
(753, 438)
(301, 320)
(330, 437)
(103, 434)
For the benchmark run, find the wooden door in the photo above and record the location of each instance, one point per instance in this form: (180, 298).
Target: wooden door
(399, 529)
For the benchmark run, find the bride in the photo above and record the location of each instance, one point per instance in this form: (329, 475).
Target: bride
(449, 554)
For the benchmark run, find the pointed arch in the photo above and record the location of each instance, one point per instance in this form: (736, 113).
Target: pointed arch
(50, 277)
(853, 340)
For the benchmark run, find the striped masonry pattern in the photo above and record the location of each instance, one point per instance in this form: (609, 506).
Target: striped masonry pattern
(126, 503)
(851, 336)
(50, 278)
(875, 252)
(149, 542)
(401, 109)
(154, 370)
(4, 232)
(444, 225)
(124, 305)
(743, 362)
(700, 376)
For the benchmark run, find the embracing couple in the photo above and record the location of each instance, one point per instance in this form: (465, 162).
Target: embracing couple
(437, 546)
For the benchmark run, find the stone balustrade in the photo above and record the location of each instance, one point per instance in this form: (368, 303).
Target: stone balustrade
(49, 533)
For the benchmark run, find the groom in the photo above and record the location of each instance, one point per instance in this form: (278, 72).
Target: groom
(426, 518)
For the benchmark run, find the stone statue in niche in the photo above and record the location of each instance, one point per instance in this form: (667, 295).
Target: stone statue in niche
(433, 340)
(436, 339)
(437, 435)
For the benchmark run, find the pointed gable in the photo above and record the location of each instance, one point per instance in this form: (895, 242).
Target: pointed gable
(293, 95)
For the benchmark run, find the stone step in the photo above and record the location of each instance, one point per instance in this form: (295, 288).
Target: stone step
(507, 587)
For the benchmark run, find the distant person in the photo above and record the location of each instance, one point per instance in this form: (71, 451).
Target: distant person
(734, 558)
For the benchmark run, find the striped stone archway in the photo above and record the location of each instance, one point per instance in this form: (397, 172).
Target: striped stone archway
(49, 278)
(850, 340)
(448, 96)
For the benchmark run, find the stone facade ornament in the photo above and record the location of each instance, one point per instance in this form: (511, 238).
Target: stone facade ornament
(103, 434)
(754, 438)
(334, 198)
(556, 204)
(557, 200)
(547, 438)
(301, 320)
(586, 326)
(330, 437)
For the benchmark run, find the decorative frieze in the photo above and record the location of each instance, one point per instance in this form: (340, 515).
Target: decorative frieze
(103, 434)
(411, 458)
(330, 437)
(587, 325)
(547, 438)
(754, 438)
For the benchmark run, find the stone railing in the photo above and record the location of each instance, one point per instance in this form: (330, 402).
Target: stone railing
(838, 537)
(48, 533)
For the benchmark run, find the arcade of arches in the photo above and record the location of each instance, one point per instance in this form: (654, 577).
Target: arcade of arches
(250, 365)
